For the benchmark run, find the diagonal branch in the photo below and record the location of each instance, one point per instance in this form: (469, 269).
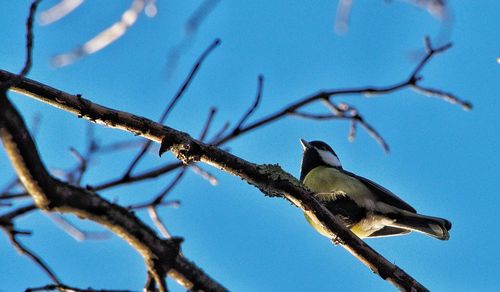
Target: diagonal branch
(172, 103)
(104, 38)
(161, 256)
(6, 223)
(52, 96)
(271, 180)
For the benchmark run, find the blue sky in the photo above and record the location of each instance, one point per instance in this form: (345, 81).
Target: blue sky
(444, 161)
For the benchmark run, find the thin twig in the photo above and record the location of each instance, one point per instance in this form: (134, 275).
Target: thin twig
(75, 232)
(159, 198)
(160, 255)
(66, 288)
(58, 11)
(31, 255)
(153, 213)
(206, 127)
(190, 29)
(204, 174)
(199, 15)
(254, 106)
(7, 196)
(29, 39)
(9, 186)
(6, 223)
(349, 112)
(17, 212)
(145, 175)
(104, 38)
(52, 96)
(80, 169)
(173, 102)
(446, 96)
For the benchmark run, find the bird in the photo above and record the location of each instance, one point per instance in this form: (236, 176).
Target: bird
(365, 207)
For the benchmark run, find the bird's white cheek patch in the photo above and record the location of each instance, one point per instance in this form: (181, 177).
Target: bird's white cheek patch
(329, 158)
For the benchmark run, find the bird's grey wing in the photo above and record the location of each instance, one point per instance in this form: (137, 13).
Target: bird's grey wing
(383, 194)
(389, 231)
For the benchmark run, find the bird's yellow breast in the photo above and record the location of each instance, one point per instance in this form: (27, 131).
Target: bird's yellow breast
(329, 183)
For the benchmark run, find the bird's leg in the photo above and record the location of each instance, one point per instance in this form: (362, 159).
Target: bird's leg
(336, 240)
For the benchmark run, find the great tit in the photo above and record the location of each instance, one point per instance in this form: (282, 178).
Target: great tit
(365, 207)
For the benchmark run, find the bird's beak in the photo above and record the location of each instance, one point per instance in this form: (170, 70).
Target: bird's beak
(305, 144)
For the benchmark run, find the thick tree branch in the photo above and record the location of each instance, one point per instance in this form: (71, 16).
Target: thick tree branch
(271, 180)
(161, 256)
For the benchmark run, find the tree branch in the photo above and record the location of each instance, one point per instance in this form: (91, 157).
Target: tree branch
(173, 102)
(6, 223)
(271, 180)
(161, 256)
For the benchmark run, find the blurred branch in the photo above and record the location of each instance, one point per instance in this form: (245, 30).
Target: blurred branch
(58, 11)
(437, 8)
(190, 29)
(199, 15)
(104, 38)
(75, 232)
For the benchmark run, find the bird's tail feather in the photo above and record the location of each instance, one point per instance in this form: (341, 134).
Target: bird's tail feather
(432, 226)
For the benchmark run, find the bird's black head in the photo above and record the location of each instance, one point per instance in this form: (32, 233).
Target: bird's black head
(317, 153)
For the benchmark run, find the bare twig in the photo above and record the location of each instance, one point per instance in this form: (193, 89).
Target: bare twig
(153, 213)
(75, 105)
(58, 11)
(169, 188)
(446, 96)
(253, 107)
(66, 288)
(145, 175)
(50, 194)
(75, 232)
(80, 169)
(412, 81)
(8, 196)
(349, 112)
(8, 217)
(206, 127)
(6, 223)
(29, 39)
(173, 102)
(204, 174)
(104, 38)
(9, 186)
(189, 78)
(190, 29)
(437, 8)
(269, 179)
(31, 255)
(342, 18)
(199, 15)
